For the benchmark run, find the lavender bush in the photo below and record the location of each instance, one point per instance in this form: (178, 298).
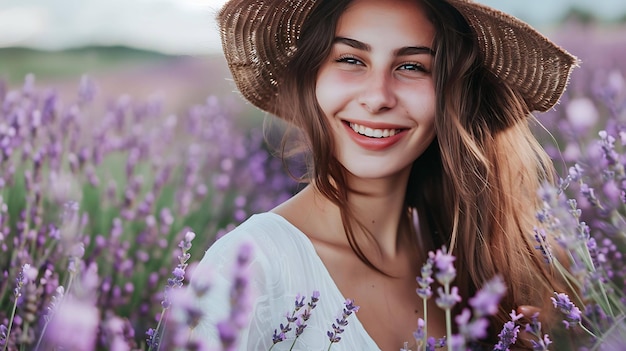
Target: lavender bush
(101, 199)
(586, 247)
(96, 195)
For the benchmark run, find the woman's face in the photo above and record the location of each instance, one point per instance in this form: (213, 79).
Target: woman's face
(376, 87)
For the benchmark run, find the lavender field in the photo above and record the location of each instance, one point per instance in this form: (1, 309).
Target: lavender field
(113, 184)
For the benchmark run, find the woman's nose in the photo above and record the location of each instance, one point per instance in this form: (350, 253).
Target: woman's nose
(377, 94)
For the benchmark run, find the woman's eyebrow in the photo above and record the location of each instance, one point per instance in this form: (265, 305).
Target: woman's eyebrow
(352, 43)
(403, 51)
(414, 50)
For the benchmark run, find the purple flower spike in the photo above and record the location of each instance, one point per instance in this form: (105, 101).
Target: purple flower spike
(178, 274)
(239, 299)
(227, 334)
(534, 328)
(73, 326)
(419, 333)
(473, 325)
(542, 344)
(350, 307)
(474, 329)
(299, 302)
(447, 301)
(337, 330)
(425, 280)
(151, 338)
(306, 314)
(439, 343)
(333, 337)
(507, 336)
(542, 244)
(515, 317)
(444, 261)
(300, 325)
(299, 319)
(486, 300)
(278, 337)
(570, 311)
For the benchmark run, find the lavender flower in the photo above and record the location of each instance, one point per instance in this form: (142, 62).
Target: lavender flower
(304, 316)
(299, 319)
(509, 332)
(567, 308)
(429, 343)
(420, 333)
(425, 280)
(542, 244)
(115, 333)
(471, 328)
(4, 335)
(473, 325)
(447, 296)
(338, 327)
(53, 150)
(178, 274)
(280, 336)
(315, 297)
(541, 342)
(447, 300)
(26, 273)
(425, 292)
(444, 261)
(486, 300)
(154, 337)
(228, 328)
(74, 326)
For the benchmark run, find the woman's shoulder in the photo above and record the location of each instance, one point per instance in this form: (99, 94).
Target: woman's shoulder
(266, 223)
(263, 230)
(266, 235)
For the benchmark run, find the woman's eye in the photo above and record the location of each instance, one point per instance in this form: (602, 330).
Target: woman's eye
(349, 60)
(412, 67)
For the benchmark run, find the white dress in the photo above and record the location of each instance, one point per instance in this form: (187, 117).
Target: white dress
(284, 263)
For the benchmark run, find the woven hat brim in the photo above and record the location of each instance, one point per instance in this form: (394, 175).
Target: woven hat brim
(260, 36)
(519, 55)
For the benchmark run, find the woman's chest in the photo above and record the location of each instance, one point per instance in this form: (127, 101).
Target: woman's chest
(390, 309)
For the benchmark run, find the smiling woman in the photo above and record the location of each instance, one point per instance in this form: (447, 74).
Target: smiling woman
(415, 115)
(378, 79)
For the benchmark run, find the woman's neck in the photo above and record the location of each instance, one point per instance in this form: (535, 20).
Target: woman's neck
(379, 205)
(381, 222)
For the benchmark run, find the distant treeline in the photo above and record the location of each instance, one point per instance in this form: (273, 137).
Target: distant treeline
(16, 62)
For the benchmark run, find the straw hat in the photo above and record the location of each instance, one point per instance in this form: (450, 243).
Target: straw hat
(260, 36)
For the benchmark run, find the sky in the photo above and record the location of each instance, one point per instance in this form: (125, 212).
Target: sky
(186, 26)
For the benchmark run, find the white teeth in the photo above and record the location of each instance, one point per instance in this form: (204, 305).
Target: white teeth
(373, 133)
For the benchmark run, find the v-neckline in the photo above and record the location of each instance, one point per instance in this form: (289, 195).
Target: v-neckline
(318, 260)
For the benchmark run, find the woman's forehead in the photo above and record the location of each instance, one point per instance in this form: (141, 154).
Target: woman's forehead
(392, 22)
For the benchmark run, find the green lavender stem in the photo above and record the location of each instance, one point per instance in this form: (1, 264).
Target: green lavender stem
(6, 343)
(425, 337)
(448, 316)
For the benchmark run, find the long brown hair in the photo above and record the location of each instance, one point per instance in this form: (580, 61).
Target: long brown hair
(474, 188)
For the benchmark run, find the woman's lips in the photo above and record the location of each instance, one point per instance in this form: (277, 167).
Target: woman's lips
(375, 138)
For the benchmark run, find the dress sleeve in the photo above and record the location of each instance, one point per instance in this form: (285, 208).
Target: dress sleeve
(239, 258)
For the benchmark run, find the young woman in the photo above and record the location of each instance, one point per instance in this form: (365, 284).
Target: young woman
(415, 114)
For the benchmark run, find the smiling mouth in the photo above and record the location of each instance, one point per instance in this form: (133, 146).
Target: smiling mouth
(374, 133)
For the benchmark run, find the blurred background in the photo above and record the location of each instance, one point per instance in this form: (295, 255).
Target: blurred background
(171, 47)
(127, 134)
